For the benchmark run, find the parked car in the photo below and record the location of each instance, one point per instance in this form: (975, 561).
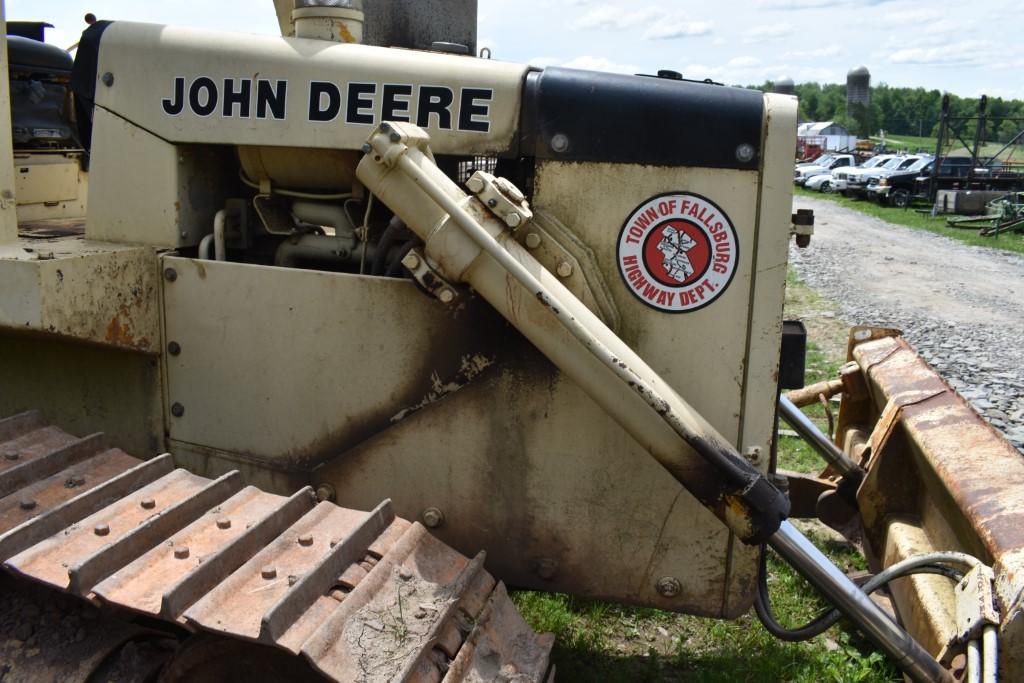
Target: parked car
(872, 178)
(821, 183)
(802, 173)
(847, 180)
(898, 187)
(820, 160)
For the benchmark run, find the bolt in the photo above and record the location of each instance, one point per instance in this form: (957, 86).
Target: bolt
(753, 455)
(108, 79)
(513, 219)
(395, 137)
(177, 410)
(11, 455)
(559, 142)
(745, 153)
(223, 523)
(181, 552)
(411, 261)
(174, 348)
(532, 240)
(268, 572)
(492, 202)
(385, 127)
(404, 574)
(28, 505)
(148, 503)
(475, 184)
(170, 274)
(446, 296)
(367, 148)
(669, 587)
(432, 518)
(306, 540)
(564, 269)
(325, 492)
(101, 530)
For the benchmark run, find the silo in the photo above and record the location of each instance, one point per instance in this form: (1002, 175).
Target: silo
(784, 86)
(858, 89)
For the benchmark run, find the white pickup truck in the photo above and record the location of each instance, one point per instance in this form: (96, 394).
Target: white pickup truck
(822, 165)
(848, 180)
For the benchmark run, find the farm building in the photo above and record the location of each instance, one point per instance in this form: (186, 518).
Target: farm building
(827, 136)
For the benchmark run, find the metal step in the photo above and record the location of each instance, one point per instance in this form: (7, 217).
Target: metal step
(359, 595)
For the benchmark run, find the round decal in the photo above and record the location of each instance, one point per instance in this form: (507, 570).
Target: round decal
(678, 252)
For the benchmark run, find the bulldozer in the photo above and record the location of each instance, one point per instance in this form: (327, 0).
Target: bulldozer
(345, 330)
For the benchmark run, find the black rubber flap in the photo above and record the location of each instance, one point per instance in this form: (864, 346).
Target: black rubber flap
(26, 53)
(577, 115)
(83, 78)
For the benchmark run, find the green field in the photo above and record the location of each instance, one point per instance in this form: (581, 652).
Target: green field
(910, 142)
(913, 218)
(914, 143)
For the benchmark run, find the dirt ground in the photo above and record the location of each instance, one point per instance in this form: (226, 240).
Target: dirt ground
(918, 271)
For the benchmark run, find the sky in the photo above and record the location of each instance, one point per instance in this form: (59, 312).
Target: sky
(967, 48)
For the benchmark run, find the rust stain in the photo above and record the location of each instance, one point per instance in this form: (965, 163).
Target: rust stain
(120, 331)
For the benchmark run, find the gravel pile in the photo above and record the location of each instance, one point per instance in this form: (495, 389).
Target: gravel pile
(960, 306)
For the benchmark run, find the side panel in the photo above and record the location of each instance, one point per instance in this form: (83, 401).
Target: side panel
(145, 60)
(293, 367)
(144, 190)
(50, 186)
(83, 291)
(89, 388)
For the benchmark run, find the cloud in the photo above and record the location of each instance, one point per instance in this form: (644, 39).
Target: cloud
(962, 53)
(830, 51)
(810, 4)
(743, 62)
(765, 32)
(661, 25)
(591, 63)
(609, 18)
(669, 29)
(544, 62)
(795, 4)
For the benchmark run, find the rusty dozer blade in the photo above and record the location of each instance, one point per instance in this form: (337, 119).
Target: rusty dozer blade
(938, 477)
(339, 591)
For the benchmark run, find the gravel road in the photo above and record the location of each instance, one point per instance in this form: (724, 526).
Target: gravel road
(960, 306)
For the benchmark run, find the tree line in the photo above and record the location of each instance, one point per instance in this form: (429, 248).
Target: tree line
(902, 111)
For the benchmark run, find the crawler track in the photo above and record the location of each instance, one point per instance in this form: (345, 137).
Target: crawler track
(221, 577)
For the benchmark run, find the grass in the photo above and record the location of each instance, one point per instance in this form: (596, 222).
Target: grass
(598, 641)
(911, 142)
(912, 218)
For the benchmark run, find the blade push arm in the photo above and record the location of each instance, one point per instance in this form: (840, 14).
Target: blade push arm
(469, 244)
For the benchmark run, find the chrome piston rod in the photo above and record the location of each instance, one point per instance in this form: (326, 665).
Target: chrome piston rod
(817, 439)
(489, 269)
